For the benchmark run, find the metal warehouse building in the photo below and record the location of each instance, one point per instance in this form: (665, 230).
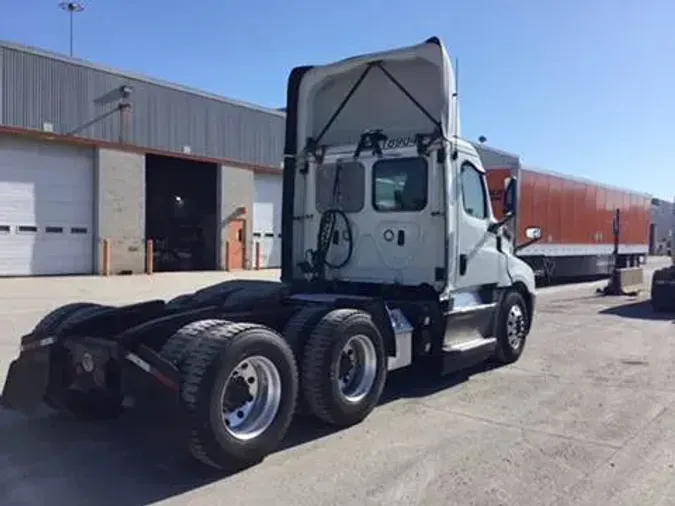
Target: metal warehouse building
(91, 156)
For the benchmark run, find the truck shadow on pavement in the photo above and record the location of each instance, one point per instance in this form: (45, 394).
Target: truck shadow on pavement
(138, 459)
(405, 384)
(638, 310)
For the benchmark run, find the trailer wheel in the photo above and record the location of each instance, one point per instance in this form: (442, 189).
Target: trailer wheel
(512, 328)
(50, 322)
(185, 339)
(239, 391)
(344, 367)
(296, 333)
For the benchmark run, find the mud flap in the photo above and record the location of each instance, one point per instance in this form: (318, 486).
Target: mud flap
(26, 382)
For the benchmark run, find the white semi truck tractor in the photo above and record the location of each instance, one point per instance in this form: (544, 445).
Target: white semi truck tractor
(392, 257)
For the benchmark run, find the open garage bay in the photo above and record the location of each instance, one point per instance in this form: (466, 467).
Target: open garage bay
(181, 214)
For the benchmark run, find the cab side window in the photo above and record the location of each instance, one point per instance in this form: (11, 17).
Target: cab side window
(473, 192)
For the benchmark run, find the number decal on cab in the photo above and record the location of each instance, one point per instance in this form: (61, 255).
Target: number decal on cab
(399, 142)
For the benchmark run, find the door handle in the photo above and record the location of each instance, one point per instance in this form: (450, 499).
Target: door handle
(400, 240)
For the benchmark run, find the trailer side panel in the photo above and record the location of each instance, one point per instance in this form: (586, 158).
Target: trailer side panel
(576, 218)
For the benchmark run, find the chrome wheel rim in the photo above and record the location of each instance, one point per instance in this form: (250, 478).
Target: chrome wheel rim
(356, 368)
(515, 327)
(251, 398)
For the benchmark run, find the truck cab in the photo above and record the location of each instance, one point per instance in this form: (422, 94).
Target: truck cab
(382, 196)
(400, 223)
(373, 141)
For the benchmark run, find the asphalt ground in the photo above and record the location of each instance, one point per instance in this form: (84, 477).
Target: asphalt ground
(585, 417)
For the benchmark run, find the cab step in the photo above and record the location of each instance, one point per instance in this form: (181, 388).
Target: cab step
(465, 354)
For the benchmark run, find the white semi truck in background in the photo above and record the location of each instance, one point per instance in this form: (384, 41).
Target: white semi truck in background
(663, 281)
(392, 257)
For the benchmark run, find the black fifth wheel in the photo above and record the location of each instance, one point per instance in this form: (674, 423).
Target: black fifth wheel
(240, 389)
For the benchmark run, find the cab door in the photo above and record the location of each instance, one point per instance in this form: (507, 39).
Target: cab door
(480, 262)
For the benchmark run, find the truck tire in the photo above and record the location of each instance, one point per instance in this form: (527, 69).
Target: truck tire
(50, 322)
(79, 315)
(246, 299)
(299, 327)
(512, 328)
(344, 367)
(181, 302)
(296, 333)
(184, 340)
(220, 292)
(88, 406)
(250, 369)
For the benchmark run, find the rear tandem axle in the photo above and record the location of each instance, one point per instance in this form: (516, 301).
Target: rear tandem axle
(240, 359)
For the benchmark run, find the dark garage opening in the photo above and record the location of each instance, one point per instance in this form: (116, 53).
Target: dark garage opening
(180, 216)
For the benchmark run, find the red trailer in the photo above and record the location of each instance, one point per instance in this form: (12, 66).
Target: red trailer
(576, 217)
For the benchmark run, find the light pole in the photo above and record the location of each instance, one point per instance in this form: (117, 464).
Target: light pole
(71, 8)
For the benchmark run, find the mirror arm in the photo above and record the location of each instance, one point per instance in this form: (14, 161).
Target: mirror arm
(525, 244)
(495, 226)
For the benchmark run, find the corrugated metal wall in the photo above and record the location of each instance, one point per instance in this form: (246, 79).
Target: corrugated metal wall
(36, 88)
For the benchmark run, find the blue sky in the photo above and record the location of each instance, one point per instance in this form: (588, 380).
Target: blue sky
(585, 87)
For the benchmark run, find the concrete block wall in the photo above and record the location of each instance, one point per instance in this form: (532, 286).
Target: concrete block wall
(236, 188)
(120, 213)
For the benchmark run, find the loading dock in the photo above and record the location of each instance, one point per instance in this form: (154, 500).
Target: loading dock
(181, 213)
(82, 160)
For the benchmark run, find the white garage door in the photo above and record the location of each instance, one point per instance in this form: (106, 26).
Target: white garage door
(267, 218)
(46, 208)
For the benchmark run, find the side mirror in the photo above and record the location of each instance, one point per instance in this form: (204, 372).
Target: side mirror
(509, 200)
(533, 233)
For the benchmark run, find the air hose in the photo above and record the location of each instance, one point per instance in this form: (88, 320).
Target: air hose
(327, 230)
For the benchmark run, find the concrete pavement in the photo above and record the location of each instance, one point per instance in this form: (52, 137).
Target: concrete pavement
(586, 417)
